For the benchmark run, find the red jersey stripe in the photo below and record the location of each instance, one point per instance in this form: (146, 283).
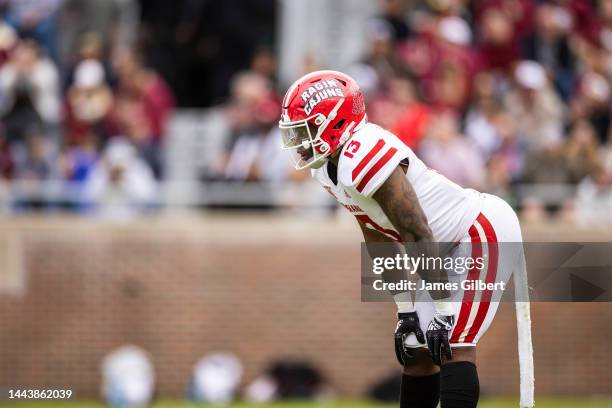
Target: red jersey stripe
(366, 159)
(376, 168)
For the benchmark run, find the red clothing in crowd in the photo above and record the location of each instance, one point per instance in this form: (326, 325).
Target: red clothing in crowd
(158, 101)
(411, 124)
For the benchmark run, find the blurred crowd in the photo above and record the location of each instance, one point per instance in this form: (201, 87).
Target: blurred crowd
(501, 94)
(83, 116)
(495, 94)
(511, 97)
(87, 89)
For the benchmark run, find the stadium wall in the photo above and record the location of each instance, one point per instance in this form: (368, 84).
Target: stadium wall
(260, 287)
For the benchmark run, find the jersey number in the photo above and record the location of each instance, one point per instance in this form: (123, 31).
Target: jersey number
(352, 148)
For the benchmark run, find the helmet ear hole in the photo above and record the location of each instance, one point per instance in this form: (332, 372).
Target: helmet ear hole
(339, 124)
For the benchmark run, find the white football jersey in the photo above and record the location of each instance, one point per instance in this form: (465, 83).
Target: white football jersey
(369, 158)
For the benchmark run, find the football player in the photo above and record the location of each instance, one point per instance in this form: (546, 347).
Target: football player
(396, 198)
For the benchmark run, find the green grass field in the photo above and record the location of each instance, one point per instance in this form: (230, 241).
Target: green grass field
(485, 403)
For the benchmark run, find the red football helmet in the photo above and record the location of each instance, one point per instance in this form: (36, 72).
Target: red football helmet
(319, 113)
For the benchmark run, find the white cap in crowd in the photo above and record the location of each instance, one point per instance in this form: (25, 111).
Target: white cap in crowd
(530, 75)
(89, 74)
(455, 30)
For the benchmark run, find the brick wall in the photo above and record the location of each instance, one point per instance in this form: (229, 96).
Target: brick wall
(259, 287)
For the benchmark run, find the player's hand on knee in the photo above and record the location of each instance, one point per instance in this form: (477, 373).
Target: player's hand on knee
(407, 324)
(438, 334)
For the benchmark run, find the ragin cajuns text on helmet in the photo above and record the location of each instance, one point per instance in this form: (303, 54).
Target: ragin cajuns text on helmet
(320, 111)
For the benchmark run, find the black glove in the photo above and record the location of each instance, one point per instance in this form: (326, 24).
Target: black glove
(408, 323)
(438, 333)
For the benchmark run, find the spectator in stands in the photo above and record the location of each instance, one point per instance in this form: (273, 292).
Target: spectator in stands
(143, 86)
(105, 25)
(448, 84)
(75, 164)
(133, 124)
(38, 20)
(586, 23)
(546, 170)
(593, 203)
(510, 149)
(90, 47)
(547, 164)
(592, 101)
(264, 63)
(418, 54)
(582, 151)
(606, 154)
(444, 140)
(549, 44)
(498, 48)
(534, 105)
(252, 112)
(7, 165)
(29, 84)
(88, 106)
(506, 157)
(121, 185)
(479, 120)
(381, 59)
(605, 31)
(34, 169)
(7, 170)
(8, 41)
(411, 117)
(394, 13)
(140, 82)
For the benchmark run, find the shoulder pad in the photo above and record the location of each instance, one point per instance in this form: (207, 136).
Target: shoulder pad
(369, 158)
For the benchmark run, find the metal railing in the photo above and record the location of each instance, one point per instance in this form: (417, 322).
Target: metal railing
(185, 194)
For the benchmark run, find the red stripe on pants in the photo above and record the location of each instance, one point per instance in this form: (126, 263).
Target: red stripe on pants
(485, 301)
(468, 295)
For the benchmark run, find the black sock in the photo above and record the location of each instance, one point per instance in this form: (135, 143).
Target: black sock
(420, 392)
(459, 387)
